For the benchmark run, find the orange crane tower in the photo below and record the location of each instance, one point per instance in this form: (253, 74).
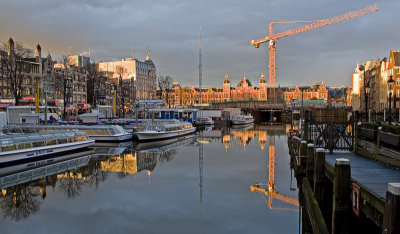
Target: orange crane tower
(272, 38)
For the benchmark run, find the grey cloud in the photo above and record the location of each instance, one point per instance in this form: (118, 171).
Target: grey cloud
(171, 29)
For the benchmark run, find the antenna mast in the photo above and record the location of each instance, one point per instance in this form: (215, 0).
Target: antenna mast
(200, 66)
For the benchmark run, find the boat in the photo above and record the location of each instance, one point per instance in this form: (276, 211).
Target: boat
(95, 132)
(164, 130)
(48, 161)
(164, 145)
(9, 177)
(24, 148)
(242, 119)
(105, 150)
(204, 121)
(242, 127)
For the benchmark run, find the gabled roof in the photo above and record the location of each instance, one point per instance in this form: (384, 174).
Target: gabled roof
(247, 81)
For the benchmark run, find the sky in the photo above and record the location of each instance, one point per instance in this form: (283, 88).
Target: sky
(170, 28)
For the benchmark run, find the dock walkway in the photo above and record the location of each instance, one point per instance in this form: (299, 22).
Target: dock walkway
(372, 174)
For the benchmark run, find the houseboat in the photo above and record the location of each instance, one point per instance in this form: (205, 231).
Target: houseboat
(23, 148)
(242, 119)
(95, 132)
(164, 130)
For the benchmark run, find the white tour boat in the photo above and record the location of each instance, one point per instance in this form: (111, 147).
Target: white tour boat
(23, 148)
(164, 145)
(204, 121)
(242, 119)
(10, 177)
(95, 132)
(164, 130)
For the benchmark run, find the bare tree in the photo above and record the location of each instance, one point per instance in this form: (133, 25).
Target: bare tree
(20, 202)
(120, 70)
(164, 84)
(15, 67)
(95, 77)
(63, 83)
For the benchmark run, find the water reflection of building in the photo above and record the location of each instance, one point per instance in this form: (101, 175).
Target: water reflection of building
(258, 131)
(130, 162)
(125, 163)
(244, 137)
(226, 139)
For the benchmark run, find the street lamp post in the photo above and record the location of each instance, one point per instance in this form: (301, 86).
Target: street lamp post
(367, 91)
(390, 86)
(362, 68)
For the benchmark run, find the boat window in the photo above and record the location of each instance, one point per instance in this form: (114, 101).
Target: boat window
(8, 148)
(38, 143)
(51, 142)
(25, 145)
(62, 141)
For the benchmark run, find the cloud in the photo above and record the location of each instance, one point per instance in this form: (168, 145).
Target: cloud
(171, 30)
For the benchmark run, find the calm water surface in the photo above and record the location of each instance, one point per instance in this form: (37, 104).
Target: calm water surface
(200, 184)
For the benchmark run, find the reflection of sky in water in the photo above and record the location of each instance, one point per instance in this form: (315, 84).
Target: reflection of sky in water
(168, 201)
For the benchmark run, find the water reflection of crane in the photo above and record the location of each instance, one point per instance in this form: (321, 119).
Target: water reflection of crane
(271, 192)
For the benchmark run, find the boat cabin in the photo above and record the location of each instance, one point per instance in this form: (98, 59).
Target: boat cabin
(90, 118)
(26, 141)
(30, 118)
(168, 127)
(186, 115)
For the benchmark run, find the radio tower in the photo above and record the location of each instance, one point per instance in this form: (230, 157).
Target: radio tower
(200, 66)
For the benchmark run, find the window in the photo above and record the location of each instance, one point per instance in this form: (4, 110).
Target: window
(397, 93)
(398, 82)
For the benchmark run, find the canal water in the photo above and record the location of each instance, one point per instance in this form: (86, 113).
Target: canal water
(217, 181)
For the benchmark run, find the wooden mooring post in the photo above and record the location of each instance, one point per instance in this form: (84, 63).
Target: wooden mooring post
(319, 176)
(310, 163)
(341, 193)
(391, 220)
(302, 158)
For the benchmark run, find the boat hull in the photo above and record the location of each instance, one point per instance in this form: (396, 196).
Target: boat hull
(14, 157)
(120, 137)
(247, 121)
(153, 136)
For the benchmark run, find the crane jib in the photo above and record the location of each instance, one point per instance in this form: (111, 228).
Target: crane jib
(315, 24)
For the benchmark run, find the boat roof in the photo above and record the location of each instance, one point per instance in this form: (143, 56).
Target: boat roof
(90, 115)
(117, 128)
(172, 109)
(9, 139)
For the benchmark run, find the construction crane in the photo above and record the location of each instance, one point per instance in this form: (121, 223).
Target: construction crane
(270, 192)
(272, 38)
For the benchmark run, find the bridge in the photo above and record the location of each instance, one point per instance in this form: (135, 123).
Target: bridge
(263, 111)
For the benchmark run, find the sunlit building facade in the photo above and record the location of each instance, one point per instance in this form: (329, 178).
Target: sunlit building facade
(317, 92)
(243, 91)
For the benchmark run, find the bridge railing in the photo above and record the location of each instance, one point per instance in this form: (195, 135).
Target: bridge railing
(331, 132)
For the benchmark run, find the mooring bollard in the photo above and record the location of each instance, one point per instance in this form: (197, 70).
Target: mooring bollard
(310, 163)
(391, 215)
(341, 196)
